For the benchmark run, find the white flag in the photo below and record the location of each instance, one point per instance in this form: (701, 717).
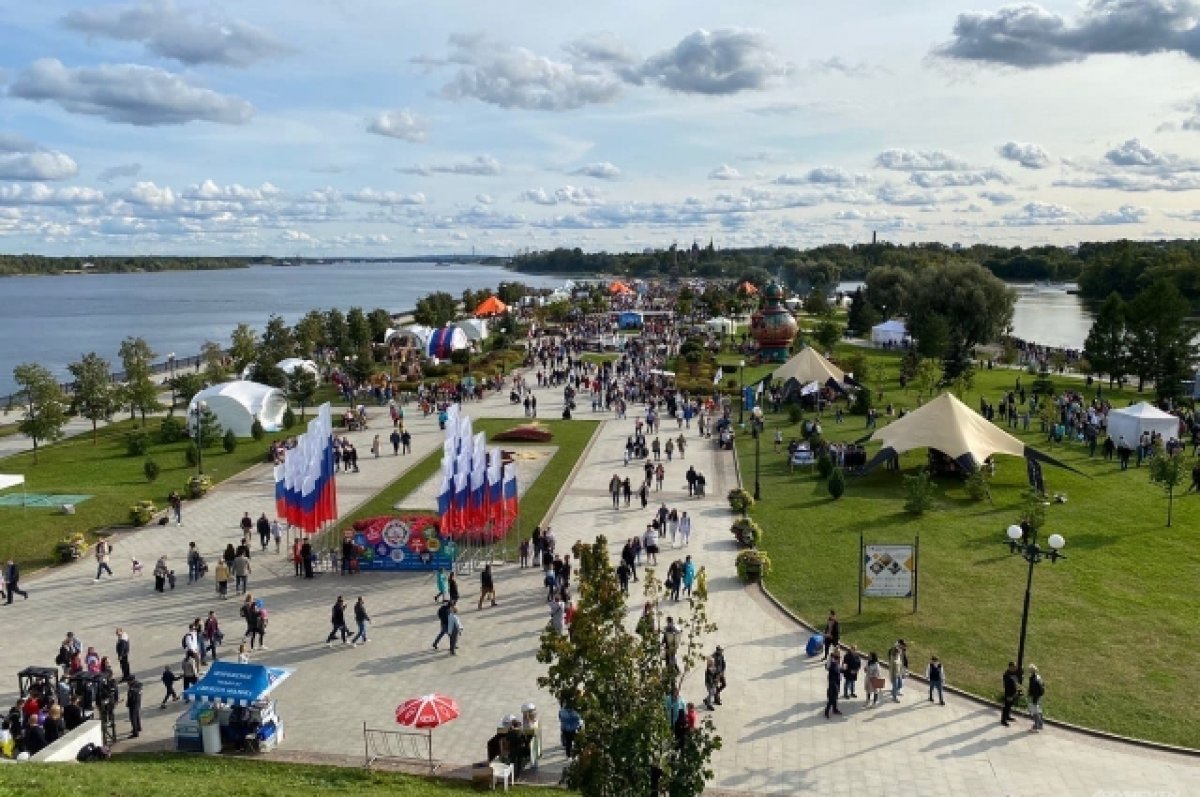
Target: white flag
(719, 375)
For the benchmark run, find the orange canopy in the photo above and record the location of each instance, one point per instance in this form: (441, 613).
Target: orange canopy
(619, 288)
(747, 288)
(491, 306)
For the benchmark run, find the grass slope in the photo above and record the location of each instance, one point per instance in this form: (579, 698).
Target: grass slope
(1113, 628)
(113, 479)
(139, 775)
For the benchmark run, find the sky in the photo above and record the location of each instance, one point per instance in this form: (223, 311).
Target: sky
(386, 127)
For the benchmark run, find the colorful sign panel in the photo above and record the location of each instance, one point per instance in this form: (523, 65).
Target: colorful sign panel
(402, 543)
(888, 571)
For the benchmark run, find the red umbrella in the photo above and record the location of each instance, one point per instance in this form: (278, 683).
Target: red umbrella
(427, 711)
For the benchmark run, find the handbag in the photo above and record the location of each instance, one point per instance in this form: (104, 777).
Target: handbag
(878, 683)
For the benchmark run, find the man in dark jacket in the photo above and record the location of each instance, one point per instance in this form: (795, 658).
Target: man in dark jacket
(133, 699)
(12, 576)
(123, 654)
(1012, 690)
(264, 530)
(34, 738)
(833, 633)
(443, 614)
(338, 619)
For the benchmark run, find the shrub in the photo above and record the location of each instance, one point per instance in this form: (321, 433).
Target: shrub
(862, 401)
(748, 532)
(837, 483)
(919, 491)
(142, 513)
(824, 465)
(978, 484)
(795, 413)
(257, 431)
(752, 564)
(170, 430)
(460, 356)
(289, 418)
(740, 500)
(151, 469)
(197, 486)
(229, 442)
(191, 455)
(137, 443)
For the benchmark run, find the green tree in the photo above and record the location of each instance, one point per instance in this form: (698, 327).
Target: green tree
(211, 431)
(380, 321)
(927, 377)
(301, 388)
(277, 342)
(309, 333)
(862, 314)
(816, 303)
(1159, 336)
(1104, 346)
(974, 306)
(889, 288)
(139, 392)
(337, 334)
(95, 393)
(1168, 472)
(186, 386)
(265, 372)
(828, 333)
(512, 292)
(243, 346)
(619, 681)
(436, 310)
(45, 406)
(214, 362)
(358, 328)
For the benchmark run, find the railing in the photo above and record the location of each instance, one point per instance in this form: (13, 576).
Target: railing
(404, 747)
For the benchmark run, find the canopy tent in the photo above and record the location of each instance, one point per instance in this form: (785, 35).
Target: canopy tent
(953, 428)
(893, 332)
(491, 306)
(618, 288)
(473, 328)
(442, 342)
(630, 320)
(1131, 422)
(287, 365)
(721, 324)
(238, 684)
(808, 366)
(238, 404)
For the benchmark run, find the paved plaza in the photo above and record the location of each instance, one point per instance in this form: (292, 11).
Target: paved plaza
(776, 740)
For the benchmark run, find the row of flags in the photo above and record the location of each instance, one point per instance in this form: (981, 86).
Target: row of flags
(305, 489)
(478, 494)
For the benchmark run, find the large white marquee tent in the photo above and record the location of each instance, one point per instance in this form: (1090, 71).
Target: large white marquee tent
(1130, 422)
(238, 404)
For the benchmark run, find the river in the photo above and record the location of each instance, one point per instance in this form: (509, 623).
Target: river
(53, 320)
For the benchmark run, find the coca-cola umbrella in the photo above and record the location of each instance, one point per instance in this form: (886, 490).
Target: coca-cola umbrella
(427, 712)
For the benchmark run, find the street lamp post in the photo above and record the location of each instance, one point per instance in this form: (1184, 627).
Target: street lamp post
(756, 422)
(171, 362)
(198, 413)
(742, 391)
(1026, 544)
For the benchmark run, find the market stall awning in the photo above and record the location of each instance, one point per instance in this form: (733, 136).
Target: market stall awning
(240, 684)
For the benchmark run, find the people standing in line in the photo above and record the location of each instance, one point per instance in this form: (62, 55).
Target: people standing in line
(1037, 690)
(1012, 690)
(833, 682)
(833, 633)
(487, 586)
(851, 664)
(241, 573)
(361, 620)
(103, 551)
(935, 674)
(454, 628)
(123, 654)
(898, 665)
(337, 618)
(133, 701)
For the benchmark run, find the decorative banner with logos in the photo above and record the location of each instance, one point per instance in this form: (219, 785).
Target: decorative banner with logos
(889, 571)
(405, 542)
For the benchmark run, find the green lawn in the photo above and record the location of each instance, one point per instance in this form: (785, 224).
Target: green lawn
(113, 479)
(1113, 628)
(171, 775)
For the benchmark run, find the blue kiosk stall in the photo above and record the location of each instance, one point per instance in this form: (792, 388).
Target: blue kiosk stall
(231, 705)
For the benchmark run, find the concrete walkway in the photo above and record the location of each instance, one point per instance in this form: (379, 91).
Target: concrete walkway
(775, 739)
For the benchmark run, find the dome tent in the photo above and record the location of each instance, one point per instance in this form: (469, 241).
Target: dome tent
(442, 342)
(287, 365)
(473, 328)
(238, 404)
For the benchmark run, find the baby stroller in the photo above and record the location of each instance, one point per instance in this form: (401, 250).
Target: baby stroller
(513, 398)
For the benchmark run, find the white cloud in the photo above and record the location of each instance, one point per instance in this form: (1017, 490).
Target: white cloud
(1134, 153)
(822, 175)
(725, 61)
(373, 197)
(480, 166)
(956, 179)
(1050, 213)
(601, 171)
(39, 194)
(38, 165)
(567, 195)
(998, 197)
(910, 160)
(127, 93)
(121, 170)
(484, 199)
(725, 172)
(184, 35)
(402, 124)
(1030, 156)
(840, 66)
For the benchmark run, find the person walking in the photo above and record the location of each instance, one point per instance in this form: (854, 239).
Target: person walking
(375, 447)
(277, 534)
(405, 442)
(394, 438)
(249, 613)
(487, 586)
(569, 723)
(103, 551)
(629, 557)
(168, 681)
(671, 639)
(211, 634)
(614, 489)
(133, 701)
(935, 674)
(193, 563)
(440, 581)
(874, 680)
(176, 503)
(685, 528)
(1012, 690)
(123, 654)
(361, 619)
(306, 554)
(452, 584)
(454, 629)
(443, 614)
(191, 673)
(833, 682)
(241, 573)
(1037, 690)
(337, 618)
(246, 524)
(833, 633)
(264, 530)
(221, 572)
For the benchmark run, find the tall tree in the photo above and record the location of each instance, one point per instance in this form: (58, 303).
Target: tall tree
(358, 327)
(45, 412)
(95, 393)
(243, 346)
(277, 342)
(380, 321)
(309, 333)
(618, 680)
(1158, 334)
(139, 391)
(1104, 346)
(214, 361)
(862, 315)
(337, 334)
(301, 388)
(436, 310)
(975, 306)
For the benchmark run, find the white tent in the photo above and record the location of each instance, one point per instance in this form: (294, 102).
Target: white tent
(1141, 417)
(473, 328)
(808, 366)
(238, 404)
(892, 331)
(720, 324)
(287, 365)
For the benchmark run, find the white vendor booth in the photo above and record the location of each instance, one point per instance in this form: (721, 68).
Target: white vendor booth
(238, 404)
(232, 706)
(890, 333)
(1141, 417)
